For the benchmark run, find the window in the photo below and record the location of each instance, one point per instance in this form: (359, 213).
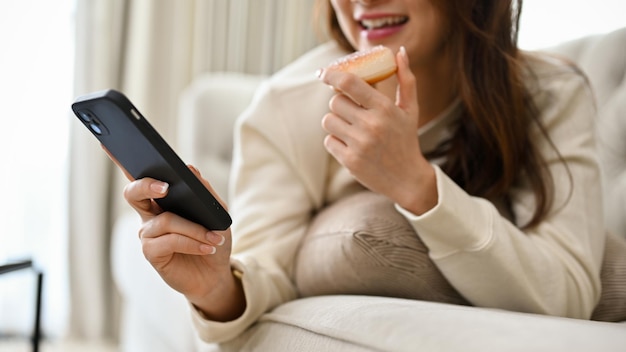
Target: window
(36, 67)
(545, 23)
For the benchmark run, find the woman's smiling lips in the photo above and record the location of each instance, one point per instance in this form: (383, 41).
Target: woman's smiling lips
(379, 26)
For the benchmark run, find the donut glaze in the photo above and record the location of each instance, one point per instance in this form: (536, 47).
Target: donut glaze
(373, 65)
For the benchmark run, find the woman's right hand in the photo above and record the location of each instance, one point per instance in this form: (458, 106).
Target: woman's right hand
(189, 258)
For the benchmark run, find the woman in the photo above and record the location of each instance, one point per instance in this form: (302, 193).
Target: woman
(488, 152)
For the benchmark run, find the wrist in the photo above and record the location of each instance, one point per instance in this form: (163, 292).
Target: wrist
(423, 195)
(226, 301)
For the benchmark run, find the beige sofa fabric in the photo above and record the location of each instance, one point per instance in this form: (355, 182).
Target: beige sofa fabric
(365, 323)
(208, 108)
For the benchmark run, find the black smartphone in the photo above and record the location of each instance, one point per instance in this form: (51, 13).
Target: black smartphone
(138, 147)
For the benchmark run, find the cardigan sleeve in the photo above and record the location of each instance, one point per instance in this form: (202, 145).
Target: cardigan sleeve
(552, 268)
(279, 168)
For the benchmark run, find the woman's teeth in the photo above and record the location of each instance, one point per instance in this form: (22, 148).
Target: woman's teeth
(376, 23)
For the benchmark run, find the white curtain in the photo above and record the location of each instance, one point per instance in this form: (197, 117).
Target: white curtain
(151, 50)
(100, 38)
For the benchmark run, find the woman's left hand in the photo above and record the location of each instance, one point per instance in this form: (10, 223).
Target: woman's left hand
(376, 139)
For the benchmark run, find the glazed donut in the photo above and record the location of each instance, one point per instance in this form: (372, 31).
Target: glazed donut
(373, 65)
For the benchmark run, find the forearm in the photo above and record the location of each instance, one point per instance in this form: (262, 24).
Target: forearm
(549, 270)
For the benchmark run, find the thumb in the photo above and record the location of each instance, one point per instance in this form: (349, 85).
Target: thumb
(406, 93)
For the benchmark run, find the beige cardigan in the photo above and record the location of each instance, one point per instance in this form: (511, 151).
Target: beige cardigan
(282, 174)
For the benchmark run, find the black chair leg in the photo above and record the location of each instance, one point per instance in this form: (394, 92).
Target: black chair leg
(10, 267)
(37, 324)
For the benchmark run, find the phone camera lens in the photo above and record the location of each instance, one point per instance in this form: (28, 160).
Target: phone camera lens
(95, 127)
(85, 115)
(92, 122)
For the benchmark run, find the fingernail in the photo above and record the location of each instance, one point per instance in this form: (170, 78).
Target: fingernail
(215, 238)
(319, 73)
(205, 248)
(404, 55)
(159, 187)
(194, 169)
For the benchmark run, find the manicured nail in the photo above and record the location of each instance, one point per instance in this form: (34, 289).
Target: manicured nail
(205, 248)
(405, 57)
(159, 187)
(215, 238)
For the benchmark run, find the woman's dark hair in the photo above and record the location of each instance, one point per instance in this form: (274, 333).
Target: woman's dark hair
(492, 144)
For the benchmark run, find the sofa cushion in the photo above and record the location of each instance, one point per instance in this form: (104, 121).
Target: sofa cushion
(602, 58)
(362, 245)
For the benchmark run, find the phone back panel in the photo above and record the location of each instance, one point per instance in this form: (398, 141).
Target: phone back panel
(130, 138)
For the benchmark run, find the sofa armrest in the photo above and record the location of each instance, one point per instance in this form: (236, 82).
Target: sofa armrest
(603, 59)
(208, 110)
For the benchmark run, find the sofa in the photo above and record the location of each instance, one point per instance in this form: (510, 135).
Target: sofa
(156, 318)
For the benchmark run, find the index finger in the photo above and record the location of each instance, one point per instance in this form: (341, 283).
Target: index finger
(140, 194)
(351, 85)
